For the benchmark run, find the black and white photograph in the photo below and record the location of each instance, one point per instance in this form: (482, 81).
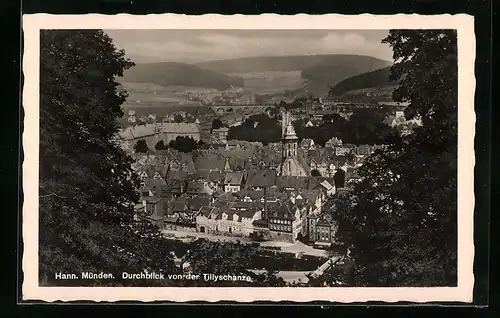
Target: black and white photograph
(219, 159)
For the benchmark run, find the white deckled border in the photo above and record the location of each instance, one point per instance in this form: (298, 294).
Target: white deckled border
(466, 125)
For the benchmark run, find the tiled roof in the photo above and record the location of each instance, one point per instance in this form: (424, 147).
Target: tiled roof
(310, 195)
(297, 183)
(154, 185)
(234, 178)
(326, 185)
(139, 131)
(198, 202)
(181, 128)
(260, 222)
(282, 211)
(261, 178)
(206, 210)
(153, 199)
(176, 175)
(209, 162)
(215, 176)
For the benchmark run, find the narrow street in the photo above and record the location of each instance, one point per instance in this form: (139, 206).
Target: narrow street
(295, 248)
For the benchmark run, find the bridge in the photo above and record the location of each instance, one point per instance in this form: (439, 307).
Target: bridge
(245, 109)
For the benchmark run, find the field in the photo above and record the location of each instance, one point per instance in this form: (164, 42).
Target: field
(270, 82)
(149, 94)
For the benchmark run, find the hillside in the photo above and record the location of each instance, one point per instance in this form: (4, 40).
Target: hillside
(333, 71)
(375, 79)
(293, 63)
(179, 74)
(319, 71)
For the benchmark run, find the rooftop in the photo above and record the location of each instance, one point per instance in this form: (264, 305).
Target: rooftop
(181, 128)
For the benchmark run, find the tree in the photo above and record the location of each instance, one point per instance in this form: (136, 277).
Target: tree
(257, 128)
(178, 118)
(87, 187)
(160, 145)
(183, 144)
(141, 146)
(400, 222)
(367, 126)
(216, 123)
(315, 173)
(339, 178)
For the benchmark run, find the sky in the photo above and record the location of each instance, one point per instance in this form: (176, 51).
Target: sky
(191, 46)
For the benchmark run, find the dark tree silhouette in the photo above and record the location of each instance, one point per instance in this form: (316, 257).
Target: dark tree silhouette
(183, 144)
(339, 178)
(87, 185)
(141, 146)
(315, 173)
(160, 145)
(178, 118)
(216, 123)
(400, 222)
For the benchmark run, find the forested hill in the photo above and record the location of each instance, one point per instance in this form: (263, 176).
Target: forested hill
(353, 64)
(377, 78)
(170, 74)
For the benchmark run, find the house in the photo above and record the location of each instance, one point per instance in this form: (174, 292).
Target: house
(174, 188)
(233, 181)
(307, 144)
(326, 188)
(154, 186)
(258, 180)
(220, 134)
(209, 162)
(333, 142)
(173, 130)
(153, 209)
(199, 188)
(285, 223)
(321, 230)
(285, 183)
(228, 221)
(129, 136)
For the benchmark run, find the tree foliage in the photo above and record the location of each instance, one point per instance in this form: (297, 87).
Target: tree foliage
(364, 126)
(375, 78)
(87, 187)
(141, 146)
(400, 222)
(216, 123)
(178, 118)
(315, 173)
(160, 145)
(183, 144)
(259, 128)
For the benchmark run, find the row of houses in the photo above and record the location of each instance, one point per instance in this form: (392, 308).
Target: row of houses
(276, 212)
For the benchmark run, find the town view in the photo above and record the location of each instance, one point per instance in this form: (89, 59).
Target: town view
(221, 159)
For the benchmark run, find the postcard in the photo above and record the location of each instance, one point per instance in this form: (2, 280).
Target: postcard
(248, 158)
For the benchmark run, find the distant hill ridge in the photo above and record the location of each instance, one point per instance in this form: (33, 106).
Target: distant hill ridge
(377, 78)
(288, 63)
(321, 72)
(179, 74)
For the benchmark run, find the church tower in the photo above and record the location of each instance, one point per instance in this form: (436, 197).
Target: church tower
(290, 165)
(289, 141)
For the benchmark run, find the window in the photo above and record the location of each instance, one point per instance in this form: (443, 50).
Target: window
(150, 208)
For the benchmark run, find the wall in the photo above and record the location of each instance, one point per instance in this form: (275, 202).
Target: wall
(281, 237)
(232, 188)
(178, 227)
(167, 137)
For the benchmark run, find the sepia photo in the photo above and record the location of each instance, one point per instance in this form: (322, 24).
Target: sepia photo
(244, 158)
